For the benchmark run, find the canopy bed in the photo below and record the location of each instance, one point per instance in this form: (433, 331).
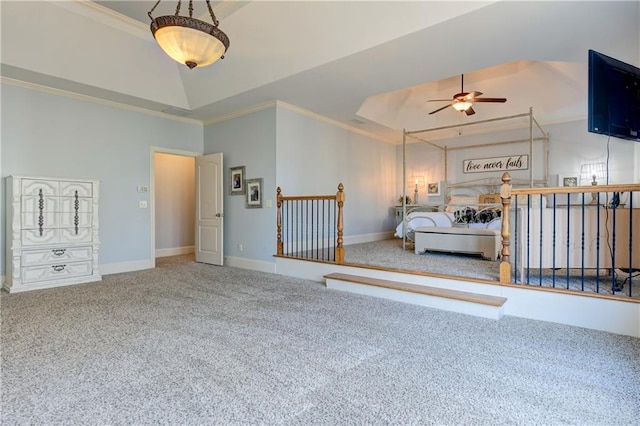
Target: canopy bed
(472, 204)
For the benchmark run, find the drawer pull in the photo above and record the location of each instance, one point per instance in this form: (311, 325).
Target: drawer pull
(58, 268)
(58, 252)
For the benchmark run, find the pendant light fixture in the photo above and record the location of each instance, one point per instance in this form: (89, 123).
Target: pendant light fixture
(187, 40)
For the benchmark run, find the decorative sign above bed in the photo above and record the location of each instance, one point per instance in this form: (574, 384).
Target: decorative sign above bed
(496, 164)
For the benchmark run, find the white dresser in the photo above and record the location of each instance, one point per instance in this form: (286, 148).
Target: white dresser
(52, 232)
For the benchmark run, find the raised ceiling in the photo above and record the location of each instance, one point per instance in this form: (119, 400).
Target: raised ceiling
(370, 65)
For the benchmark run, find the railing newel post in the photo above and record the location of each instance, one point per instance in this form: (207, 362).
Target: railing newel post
(505, 254)
(280, 244)
(340, 198)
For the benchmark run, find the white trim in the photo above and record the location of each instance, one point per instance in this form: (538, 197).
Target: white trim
(152, 190)
(612, 316)
(334, 122)
(175, 251)
(252, 264)
(241, 112)
(367, 238)
(104, 15)
(131, 266)
(298, 110)
(99, 101)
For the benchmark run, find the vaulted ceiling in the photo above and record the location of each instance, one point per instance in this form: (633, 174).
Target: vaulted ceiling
(371, 65)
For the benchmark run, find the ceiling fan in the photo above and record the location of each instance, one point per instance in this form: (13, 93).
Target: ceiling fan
(464, 101)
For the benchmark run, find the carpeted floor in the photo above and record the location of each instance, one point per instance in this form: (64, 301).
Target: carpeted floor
(189, 343)
(389, 253)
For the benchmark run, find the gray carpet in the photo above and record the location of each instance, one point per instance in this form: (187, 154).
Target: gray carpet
(389, 253)
(189, 343)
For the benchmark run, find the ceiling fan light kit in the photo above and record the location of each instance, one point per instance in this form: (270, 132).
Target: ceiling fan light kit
(187, 40)
(464, 101)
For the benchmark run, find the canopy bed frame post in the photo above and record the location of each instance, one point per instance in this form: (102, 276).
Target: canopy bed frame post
(339, 247)
(404, 188)
(505, 254)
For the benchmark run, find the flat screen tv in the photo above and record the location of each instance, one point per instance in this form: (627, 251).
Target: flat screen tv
(613, 97)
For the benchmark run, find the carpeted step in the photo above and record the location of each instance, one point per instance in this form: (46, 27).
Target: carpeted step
(441, 298)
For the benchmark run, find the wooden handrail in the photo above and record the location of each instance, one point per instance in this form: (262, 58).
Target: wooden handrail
(630, 187)
(507, 193)
(339, 198)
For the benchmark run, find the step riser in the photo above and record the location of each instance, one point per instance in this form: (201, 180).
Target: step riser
(446, 304)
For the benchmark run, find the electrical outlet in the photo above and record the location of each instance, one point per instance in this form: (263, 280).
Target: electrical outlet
(142, 204)
(240, 248)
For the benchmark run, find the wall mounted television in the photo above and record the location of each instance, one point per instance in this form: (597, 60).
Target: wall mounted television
(613, 97)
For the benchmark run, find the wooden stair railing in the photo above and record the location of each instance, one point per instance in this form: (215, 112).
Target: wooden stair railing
(581, 230)
(311, 227)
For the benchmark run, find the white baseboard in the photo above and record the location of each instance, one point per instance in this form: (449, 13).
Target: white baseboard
(254, 265)
(135, 265)
(367, 238)
(175, 251)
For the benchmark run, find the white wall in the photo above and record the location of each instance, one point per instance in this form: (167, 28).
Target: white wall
(174, 203)
(570, 146)
(49, 135)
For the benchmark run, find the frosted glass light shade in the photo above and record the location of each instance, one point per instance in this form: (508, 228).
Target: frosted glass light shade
(462, 106)
(189, 41)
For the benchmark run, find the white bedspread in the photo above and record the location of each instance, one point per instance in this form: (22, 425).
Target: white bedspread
(441, 220)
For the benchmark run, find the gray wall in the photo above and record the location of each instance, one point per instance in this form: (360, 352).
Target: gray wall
(303, 156)
(314, 156)
(248, 141)
(50, 135)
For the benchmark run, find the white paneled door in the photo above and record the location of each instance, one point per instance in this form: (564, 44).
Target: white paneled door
(209, 212)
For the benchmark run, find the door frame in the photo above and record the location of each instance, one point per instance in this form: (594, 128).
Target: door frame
(153, 150)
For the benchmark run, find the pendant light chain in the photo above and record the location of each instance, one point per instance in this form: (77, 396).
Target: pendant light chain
(213, 15)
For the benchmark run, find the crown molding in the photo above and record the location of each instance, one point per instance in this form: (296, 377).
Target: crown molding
(334, 122)
(91, 99)
(242, 112)
(301, 111)
(106, 16)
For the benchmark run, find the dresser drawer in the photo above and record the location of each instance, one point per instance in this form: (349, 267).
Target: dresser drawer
(68, 189)
(68, 204)
(34, 186)
(68, 220)
(35, 203)
(69, 235)
(56, 255)
(56, 271)
(31, 220)
(32, 237)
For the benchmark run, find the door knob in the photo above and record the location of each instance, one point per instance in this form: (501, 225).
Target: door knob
(219, 215)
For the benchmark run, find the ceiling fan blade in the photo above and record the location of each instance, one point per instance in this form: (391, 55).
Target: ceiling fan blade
(439, 100)
(469, 111)
(472, 95)
(490, 100)
(440, 109)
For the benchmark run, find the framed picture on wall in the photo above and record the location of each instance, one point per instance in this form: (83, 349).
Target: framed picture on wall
(254, 193)
(433, 189)
(568, 180)
(236, 181)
